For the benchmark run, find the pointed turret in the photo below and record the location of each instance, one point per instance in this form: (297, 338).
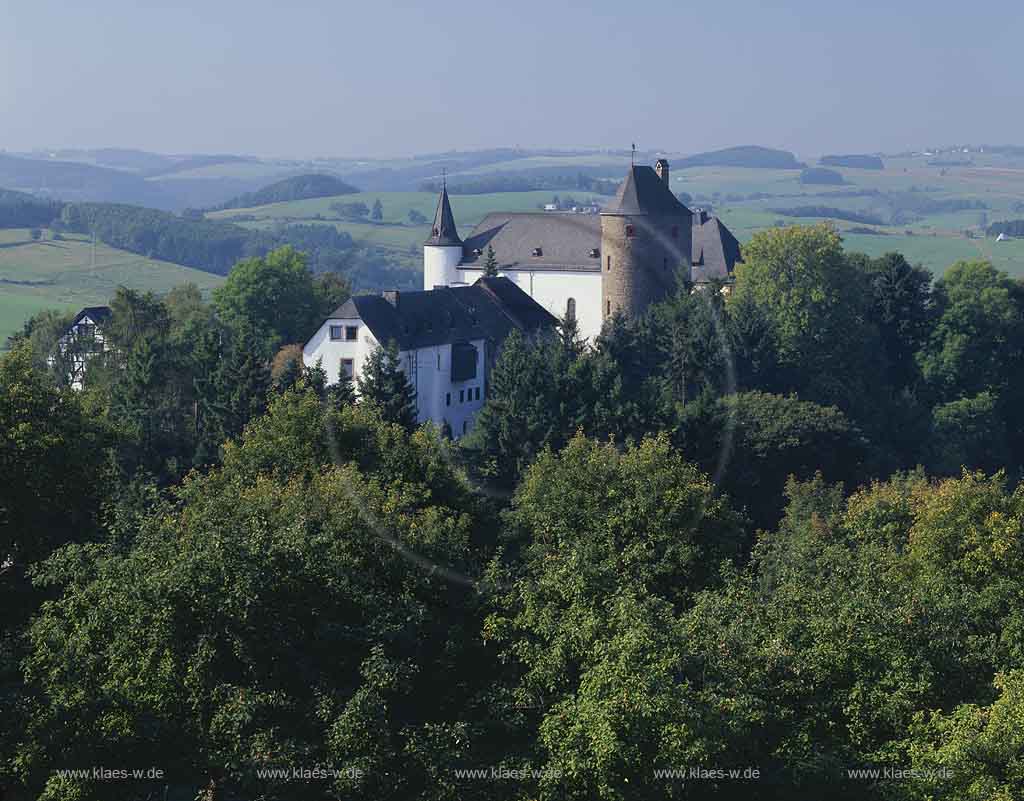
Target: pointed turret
(443, 233)
(442, 252)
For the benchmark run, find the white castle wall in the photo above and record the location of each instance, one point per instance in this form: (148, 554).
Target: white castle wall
(552, 290)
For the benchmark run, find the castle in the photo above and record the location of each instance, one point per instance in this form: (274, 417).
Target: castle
(590, 267)
(549, 266)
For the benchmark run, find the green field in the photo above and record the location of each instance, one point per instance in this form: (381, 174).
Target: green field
(394, 233)
(66, 275)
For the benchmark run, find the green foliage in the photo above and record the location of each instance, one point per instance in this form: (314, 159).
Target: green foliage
(490, 263)
(53, 462)
(975, 753)
(273, 301)
(754, 442)
(530, 406)
(968, 433)
(383, 384)
(280, 615)
(976, 343)
(615, 547)
(817, 304)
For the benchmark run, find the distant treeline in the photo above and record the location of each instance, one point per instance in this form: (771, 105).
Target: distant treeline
(744, 156)
(821, 175)
(832, 213)
(489, 184)
(1008, 227)
(18, 210)
(299, 187)
(207, 245)
(860, 162)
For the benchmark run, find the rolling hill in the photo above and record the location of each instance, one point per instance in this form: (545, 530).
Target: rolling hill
(298, 187)
(69, 274)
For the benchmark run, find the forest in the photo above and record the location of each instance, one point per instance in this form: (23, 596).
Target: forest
(758, 544)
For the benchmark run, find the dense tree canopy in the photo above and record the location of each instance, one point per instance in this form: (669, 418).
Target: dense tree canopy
(777, 530)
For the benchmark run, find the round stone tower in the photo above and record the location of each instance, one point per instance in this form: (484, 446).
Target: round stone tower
(442, 252)
(646, 243)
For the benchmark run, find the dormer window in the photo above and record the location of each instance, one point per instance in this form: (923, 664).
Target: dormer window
(595, 253)
(538, 252)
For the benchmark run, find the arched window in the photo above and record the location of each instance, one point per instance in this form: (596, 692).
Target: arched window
(570, 309)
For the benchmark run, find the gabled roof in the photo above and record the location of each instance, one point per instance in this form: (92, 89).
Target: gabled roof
(488, 309)
(98, 314)
(443, 233)
(715, 249)
(643, 192)
(565, 240)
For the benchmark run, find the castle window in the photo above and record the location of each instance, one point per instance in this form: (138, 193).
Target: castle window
(478, 393)
(447, 399)
(630, 231)
(538, 252)
(351, 333)
(607, 307)
(609, 263)
(336, 333)
(462, 396)
(570, 309)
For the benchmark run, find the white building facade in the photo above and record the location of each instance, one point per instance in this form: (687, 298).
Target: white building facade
(81, 342)
(448, 339)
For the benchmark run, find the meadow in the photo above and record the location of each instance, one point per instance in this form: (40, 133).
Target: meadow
(746, 199)
(65, 274)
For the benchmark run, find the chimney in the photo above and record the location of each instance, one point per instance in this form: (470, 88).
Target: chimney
(391, 296)
(661, 167)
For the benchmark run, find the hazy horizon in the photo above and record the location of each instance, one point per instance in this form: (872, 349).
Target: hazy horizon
(398, 79)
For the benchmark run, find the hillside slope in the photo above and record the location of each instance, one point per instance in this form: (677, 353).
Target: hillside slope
(298, 187)
(69, 274)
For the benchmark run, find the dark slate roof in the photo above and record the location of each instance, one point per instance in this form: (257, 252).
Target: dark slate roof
(565, 240)
(443, 232)
(488, 309)
(643, 192)
(98, 314)
(715, 249)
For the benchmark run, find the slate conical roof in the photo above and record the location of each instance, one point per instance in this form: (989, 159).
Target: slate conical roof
(443, 233)
(643, 192)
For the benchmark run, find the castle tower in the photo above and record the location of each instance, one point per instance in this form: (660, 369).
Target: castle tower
(646, 242)
(442, 252)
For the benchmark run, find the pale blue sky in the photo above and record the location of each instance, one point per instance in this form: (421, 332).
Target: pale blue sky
(381, 78)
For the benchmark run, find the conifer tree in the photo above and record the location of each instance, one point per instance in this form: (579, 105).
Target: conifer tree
(342, 393)
(383, 384)
(491, 263)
